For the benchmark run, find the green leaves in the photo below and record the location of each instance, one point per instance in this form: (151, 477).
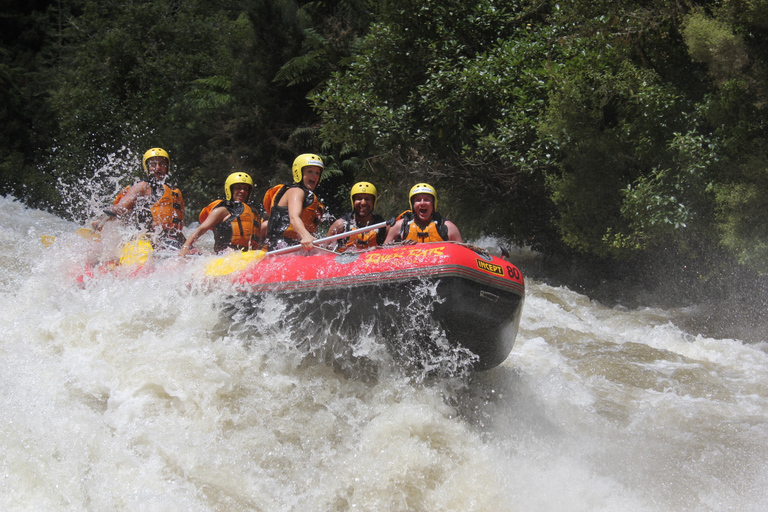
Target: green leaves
(443, 90)
(210, 93)
(714, 43)
(608, 128)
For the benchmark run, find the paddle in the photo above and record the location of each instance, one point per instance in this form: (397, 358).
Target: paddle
(87, 233)
(238, 261)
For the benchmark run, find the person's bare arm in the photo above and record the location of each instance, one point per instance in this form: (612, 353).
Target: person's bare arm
(124, 206)
(128, 201)
(393, 231)
(295, 202)
(217, 216)
(453, 232)
(336, 228)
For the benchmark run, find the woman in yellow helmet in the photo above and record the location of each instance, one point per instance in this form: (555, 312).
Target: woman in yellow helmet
(235, 225)
(295, 211)
(363, 197)
(422, 223)
(151, 204)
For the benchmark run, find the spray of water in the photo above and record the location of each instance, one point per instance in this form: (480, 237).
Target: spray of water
(85, 196)
(151, 393)
(327, 329)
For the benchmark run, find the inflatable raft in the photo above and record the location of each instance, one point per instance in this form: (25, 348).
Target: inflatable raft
(430, 301)
(432, 304)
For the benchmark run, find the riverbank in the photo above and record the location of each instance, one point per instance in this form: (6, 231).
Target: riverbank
(716, 304)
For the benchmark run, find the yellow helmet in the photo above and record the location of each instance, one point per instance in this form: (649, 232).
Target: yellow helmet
(237, 177)
(303, 161)
(155, 152)
(363, 187)
(423, 188)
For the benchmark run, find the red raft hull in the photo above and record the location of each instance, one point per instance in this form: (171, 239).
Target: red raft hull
(428, 301)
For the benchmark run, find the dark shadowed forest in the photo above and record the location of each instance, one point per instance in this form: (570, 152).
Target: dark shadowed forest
(626, 138)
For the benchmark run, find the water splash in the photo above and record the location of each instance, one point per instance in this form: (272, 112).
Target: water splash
(85, 196)
(325, 329)
(146, 393)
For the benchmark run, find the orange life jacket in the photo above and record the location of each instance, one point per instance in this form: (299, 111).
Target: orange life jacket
(240, 231)
(435, 231)
(167, 212)
(364, 240)
(269, 198)
(279, 220)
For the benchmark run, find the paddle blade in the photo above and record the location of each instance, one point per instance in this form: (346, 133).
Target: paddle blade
(136, 253)
(89, 234)
(234, 262)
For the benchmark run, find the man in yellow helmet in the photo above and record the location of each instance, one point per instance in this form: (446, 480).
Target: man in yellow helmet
(422, 223)
(235, 225)
(151, 204)
(294, 210)
(363, 197)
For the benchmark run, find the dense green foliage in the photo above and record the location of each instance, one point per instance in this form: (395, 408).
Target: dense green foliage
(614, 130)
(611, 128)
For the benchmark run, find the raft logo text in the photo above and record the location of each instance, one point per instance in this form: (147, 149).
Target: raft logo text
(411, 253)
(490, 267)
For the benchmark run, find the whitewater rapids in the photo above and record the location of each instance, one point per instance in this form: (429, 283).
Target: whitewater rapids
(137, 395)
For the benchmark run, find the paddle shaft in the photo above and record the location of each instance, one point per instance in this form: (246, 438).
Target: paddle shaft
(331, 238)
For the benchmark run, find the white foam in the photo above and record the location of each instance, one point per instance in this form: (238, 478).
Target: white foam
(138, 394)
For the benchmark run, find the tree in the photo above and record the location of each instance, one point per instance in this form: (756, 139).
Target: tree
(25, 119)
(201, 79)
(430, 95)
(613, 129)
(126, 68)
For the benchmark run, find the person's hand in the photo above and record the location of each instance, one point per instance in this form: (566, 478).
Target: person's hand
(98, 224)
(307, 242)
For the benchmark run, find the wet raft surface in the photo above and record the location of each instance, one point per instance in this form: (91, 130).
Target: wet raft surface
(432, 302)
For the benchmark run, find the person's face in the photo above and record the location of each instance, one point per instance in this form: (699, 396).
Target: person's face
(423, 207)
(363, 204)
(157, 166)
(311, 176)
(240, 192)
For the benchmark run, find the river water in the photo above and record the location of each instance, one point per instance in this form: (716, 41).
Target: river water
(137, 395)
